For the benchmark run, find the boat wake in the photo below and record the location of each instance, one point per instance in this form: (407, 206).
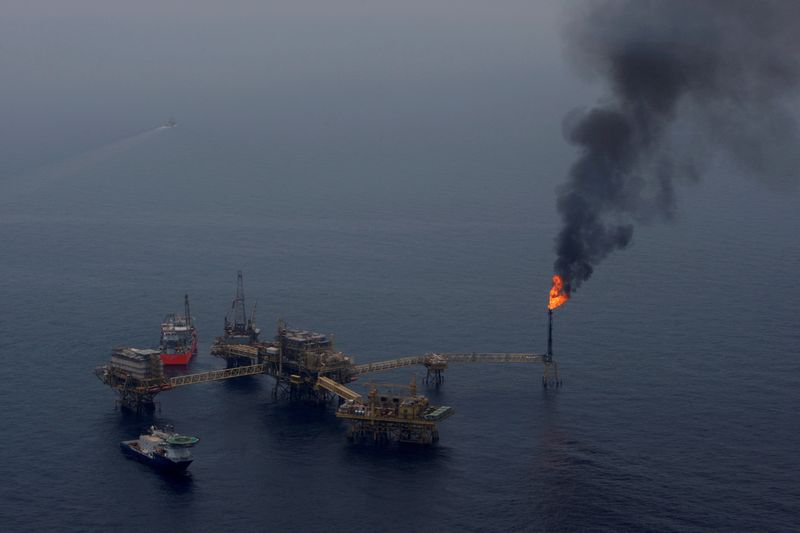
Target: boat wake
(38, 179)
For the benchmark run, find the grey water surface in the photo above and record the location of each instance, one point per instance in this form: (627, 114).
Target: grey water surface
(403, 199)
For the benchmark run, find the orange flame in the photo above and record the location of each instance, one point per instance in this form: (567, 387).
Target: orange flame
(557, 295)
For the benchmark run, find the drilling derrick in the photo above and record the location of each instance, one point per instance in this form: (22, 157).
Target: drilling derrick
(235, 320)
(239, 329)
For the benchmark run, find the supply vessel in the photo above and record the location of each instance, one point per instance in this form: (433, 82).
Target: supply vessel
(162, 449)
(178, 337)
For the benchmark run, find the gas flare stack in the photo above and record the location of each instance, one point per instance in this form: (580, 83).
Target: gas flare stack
(550, 377)
(549, 355)
(558, 297)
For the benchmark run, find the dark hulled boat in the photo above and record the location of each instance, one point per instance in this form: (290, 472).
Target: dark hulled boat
(162, 449)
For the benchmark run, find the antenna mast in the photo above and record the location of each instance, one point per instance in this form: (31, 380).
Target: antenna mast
(187, 313)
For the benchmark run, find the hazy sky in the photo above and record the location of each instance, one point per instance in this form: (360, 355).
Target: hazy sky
(78, 73)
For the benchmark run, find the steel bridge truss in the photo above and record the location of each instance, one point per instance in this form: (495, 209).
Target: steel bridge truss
(140, 394)
(437, 363)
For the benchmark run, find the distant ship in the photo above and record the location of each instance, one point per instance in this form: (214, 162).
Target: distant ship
(161, 448)
(178, 337)
(170, 123)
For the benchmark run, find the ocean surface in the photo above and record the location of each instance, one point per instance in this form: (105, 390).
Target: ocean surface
(679, 410)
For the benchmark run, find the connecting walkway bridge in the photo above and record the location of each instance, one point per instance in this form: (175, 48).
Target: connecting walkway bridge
(217, 375)
(443, 359)
(435, 361)
(431, 360)
(337, 388)
(134, 393)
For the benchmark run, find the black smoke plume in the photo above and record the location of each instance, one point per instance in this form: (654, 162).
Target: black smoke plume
(722, 73)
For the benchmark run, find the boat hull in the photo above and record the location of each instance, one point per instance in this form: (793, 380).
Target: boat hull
(156, 461)
(181, 358)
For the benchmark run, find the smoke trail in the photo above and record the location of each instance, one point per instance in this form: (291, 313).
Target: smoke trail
(725, 72)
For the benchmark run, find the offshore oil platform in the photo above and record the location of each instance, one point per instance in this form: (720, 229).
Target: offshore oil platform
(307, 367)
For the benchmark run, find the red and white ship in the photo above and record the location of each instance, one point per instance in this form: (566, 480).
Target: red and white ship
(178, 337)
